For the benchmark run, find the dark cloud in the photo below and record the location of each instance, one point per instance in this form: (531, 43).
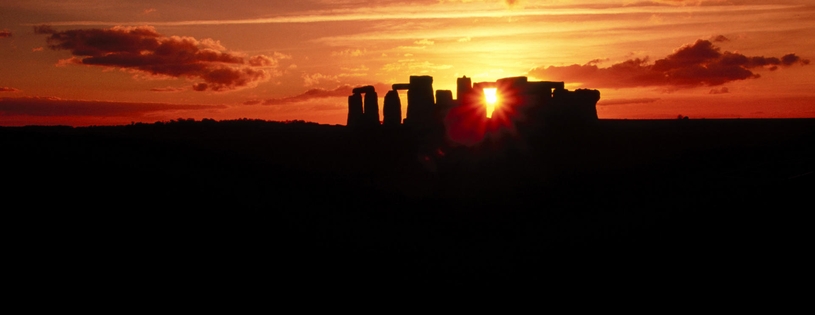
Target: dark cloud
(721, 90)
(596, 61)
(341, 91)
(44, 29)
(634, 72)
(698, 64)
(5, 33)
(167, 89)
(200, 87)
(790, 59)
(626, 101)
(719, 39)
(48, 106)
(142, 48)
(8, 89)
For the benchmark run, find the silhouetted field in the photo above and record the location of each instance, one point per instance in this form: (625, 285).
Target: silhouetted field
(306, 203)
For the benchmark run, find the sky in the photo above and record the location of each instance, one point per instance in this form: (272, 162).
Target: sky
(111, 62)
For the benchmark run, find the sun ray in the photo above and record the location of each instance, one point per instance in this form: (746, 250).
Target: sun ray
(491, 100)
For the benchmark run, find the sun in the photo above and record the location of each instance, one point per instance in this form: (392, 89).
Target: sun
(491, 99)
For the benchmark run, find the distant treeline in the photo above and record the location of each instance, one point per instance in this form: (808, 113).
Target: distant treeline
(225, 121)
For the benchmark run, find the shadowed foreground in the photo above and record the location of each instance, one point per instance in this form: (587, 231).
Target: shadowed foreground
(205, 202)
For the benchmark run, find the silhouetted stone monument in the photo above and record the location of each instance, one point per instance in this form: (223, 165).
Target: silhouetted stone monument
(444, 102)
(512, 83)
(420, 101)
(475, 99)
(392, 109)
(401, 86)
(463, 87)
(579, 105)
(369, 115)
(354, 110)
(529, 103)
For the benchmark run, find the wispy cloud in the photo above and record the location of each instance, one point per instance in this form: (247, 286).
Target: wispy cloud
(350, 52)
(418, 12)
(414, 66)
(424, 42)
(51, 106)
(312, 94)
(167, 89)
(626, 101)
(316, 78)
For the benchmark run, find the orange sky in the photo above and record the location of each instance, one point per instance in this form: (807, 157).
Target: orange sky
(112, 62)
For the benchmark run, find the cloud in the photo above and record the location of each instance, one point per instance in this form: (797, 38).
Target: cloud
(719, 39)
(626, 101)
(69, 61)
(424, 42)
(411, 11)
(316, 78)
(721, 90)
(790, 59)
(143, 49)
(687, 2)
(167, 89)
(5, 33)
(361, 68)
(411, 47)
(312, 94)
(8, 89)
(419, 44)
(44, 29)
(51, 106)
(262, 61)
(697, 64)
(414, 66)
(350, 52)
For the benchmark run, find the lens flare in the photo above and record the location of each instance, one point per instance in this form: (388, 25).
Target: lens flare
(490, 100)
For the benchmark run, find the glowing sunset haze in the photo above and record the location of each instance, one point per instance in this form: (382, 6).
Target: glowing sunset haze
(95, 62)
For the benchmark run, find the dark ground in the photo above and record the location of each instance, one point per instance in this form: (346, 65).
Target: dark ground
(307, 204)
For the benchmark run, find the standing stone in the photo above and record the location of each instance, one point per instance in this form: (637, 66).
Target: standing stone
(392, 109)
(420, 101)
(463, 87)
(371, 114)
(444, 102)
(354, 110)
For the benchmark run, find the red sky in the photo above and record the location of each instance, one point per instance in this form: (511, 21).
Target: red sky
(113, 62)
